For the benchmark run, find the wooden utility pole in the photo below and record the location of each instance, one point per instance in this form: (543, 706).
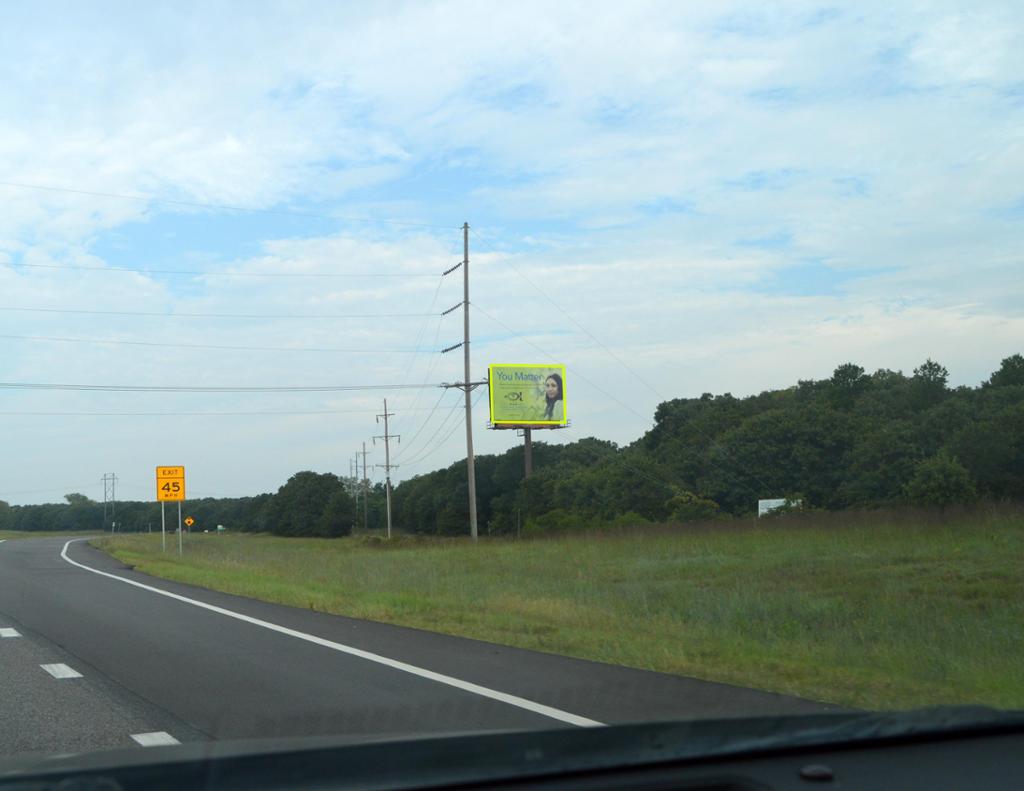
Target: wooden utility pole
(470, 459)
(387, 458)
(366, 490)
(467, 386)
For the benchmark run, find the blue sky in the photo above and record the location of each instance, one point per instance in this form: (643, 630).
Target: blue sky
(670, 198)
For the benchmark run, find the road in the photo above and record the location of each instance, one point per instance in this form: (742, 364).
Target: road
(96, 655)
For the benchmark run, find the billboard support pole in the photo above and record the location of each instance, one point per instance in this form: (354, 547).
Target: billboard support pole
(470, 460)
(527, 452)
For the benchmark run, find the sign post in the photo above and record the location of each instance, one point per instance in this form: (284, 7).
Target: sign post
(527, 397)
(170, 486)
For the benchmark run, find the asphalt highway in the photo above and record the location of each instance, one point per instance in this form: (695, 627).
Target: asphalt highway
(96, 655)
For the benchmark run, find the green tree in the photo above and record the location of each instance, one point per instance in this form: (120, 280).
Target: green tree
(1010, 373)
(848, 382)
(689, 507)
(338, 517)
(928, 385)
(941, 481)
(880, 465)
(992, 449)
(298, 505)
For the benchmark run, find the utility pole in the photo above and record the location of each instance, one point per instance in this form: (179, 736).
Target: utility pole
(470, 459)
(354, 469)
(387, 458)
(467, 386)
(366, 491)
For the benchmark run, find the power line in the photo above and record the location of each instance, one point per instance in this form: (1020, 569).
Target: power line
(201, 205)
(453, 411)
(419, 344)
(423, 425)
(448, 436)
(67, 489)
(197, 389)
(403, 420)
(193, 493)
(223, 315)
(270, 413)
(443, 424)
(216, 273)
(101, 341)
(565, 313)
(571, 370)
(433, 361)
(430, 369)
(605, 392)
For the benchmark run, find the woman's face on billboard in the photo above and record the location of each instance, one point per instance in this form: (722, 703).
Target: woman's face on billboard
(551, 388)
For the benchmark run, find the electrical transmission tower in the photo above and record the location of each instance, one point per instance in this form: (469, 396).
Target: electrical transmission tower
(110, 495)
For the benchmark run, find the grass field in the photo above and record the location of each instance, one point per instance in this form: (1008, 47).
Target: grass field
(880, 610)
(6, 535)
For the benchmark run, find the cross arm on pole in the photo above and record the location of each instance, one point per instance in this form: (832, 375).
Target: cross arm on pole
(463, 385)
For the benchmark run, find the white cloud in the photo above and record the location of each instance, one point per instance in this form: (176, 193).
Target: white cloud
(656, 167)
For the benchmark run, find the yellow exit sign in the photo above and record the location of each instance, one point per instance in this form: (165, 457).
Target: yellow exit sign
(170, 483)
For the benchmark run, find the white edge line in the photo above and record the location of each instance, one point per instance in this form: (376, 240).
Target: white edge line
(6, 632)
(60, 670)
(154, 739)
(467, 686)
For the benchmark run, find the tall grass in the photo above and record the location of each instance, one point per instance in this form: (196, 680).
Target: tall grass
(878, 610)
(8, 535)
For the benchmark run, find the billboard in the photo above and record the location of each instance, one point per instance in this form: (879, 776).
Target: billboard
(527, 395)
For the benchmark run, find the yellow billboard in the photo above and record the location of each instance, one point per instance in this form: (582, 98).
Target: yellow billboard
(527, 395)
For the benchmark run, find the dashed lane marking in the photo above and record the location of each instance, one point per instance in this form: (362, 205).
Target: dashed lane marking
(9, 633)
(154, 739)
(61, 671)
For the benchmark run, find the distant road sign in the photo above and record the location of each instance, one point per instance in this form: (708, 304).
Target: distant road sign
(170, 483)
(189, 521)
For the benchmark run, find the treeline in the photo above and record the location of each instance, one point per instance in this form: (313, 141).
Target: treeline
(855, 440)
(309, 504)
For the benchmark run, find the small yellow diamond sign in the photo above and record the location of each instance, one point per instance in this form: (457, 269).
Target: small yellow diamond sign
(189, 521)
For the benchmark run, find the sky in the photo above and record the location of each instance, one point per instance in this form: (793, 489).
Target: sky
(668, 198)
